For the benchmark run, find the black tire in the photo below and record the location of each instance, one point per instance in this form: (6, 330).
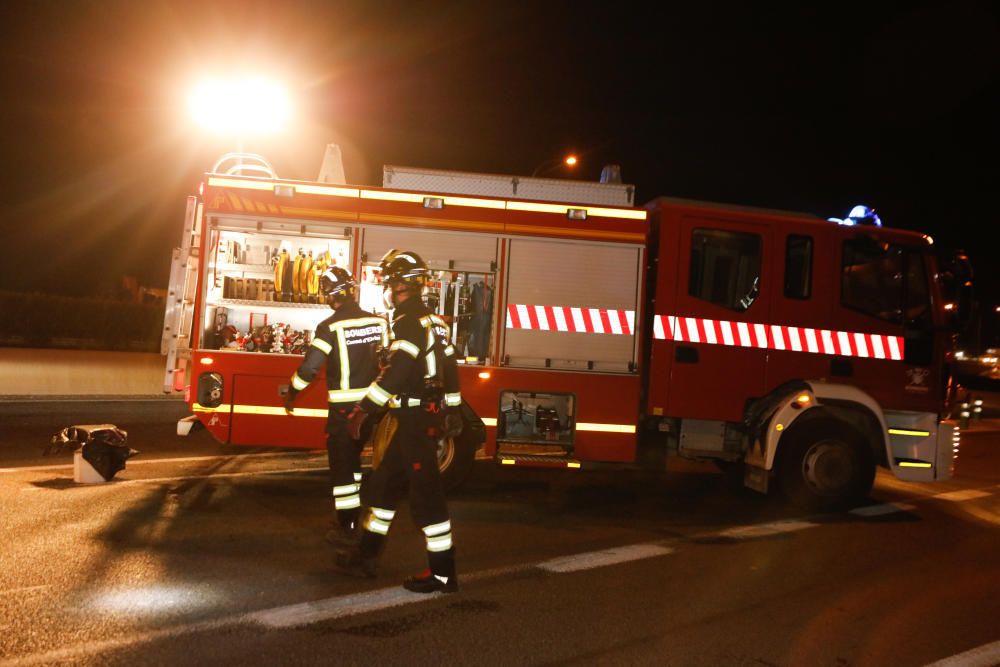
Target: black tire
(456, 457)
(825, 465)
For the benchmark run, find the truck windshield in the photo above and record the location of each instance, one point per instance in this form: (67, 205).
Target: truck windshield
(885, 281)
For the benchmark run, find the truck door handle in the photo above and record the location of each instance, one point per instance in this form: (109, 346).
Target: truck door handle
(686, 355)
(841, 368)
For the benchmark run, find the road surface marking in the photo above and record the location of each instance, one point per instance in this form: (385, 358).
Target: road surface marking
(987, 655)
(595, 559)
(332, 608)
(185, 459)
(883, 509)
(765, 529)
(960, 496)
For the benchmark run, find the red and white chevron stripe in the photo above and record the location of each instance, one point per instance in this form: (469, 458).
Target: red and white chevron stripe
(777, 337)
(564, 318)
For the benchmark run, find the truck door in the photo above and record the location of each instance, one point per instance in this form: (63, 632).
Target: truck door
(719, 329)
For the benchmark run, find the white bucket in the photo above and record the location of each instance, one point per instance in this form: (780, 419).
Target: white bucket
(83, 472)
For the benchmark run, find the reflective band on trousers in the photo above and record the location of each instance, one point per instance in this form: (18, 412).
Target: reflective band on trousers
(345, 490)
(437, 529)
(438, 536)
(379, 520)
(453, 399)
(347, 502)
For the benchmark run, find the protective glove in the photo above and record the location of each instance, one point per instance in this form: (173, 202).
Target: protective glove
(289, 403)
(355, 420)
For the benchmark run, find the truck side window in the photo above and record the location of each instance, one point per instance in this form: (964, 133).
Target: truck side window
(725, 268)
(798, 267)
(872, 279)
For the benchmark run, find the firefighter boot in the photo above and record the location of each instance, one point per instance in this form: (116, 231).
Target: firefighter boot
(440, 576)
(344, 531)
(361, 558)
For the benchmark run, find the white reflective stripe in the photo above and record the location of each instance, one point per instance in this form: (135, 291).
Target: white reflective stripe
(405, 346)
(431, 365)
(692, 329)
(449, 351)
(761, 332)
(410, 403)
(578, 322)
(453, 399)
(376, 525)
(828, 346)
(658, 332)
(438, 544)
(345, 490)
(710, 332)
(894, 348)
(727, 334)
(322, 345)
(437, 529)
(596, 321)
(436, 319)
(347, 502)
(345, 362)
(377, 394)
(560, 317)
(779, 340)
(298, 383)
(346, 395)
(877, 348)
(859, 340)
(357, 477)
(385, 515)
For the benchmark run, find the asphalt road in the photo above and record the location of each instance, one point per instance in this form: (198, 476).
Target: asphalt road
(204, 554)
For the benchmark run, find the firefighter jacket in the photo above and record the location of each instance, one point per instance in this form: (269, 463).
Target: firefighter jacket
(420, 356)
(348, 342)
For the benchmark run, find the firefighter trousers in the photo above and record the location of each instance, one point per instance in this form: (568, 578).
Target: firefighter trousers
(344, 455)
(410, 462)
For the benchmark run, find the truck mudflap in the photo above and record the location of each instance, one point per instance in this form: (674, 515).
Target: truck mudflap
(921, 448)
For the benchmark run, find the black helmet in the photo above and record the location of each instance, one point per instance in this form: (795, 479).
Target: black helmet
(336, 281)
(403, 266)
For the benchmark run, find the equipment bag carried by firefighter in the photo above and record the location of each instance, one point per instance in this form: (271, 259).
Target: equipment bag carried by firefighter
(382, 436)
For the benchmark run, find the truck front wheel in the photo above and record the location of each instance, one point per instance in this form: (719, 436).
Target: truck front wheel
(826, 465)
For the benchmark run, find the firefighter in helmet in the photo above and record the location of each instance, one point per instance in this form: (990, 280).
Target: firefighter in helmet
(348, 344)
(419, 386)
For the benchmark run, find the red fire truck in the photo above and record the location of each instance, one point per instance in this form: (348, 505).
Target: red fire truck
(592, 333)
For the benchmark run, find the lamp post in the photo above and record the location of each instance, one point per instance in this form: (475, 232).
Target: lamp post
(568, 161)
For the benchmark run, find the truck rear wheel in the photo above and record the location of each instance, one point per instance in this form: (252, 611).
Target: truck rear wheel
(826, 465)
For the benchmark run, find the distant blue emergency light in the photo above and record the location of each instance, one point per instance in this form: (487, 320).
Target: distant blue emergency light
(859, 215)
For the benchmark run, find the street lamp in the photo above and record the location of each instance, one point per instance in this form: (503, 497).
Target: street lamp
(569, 161)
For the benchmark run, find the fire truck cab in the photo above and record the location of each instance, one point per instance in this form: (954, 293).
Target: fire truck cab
(592, 333)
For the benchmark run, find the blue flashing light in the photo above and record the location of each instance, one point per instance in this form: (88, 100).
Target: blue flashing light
(859, 215)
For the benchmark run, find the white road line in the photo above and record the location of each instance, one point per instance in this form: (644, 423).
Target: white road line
(987, 655)
(765, 529)
(186, 459)
(881, 510)
(614, 556)
(332, 608)
(960, 496)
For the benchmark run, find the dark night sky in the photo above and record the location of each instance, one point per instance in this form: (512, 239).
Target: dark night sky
(811, 109)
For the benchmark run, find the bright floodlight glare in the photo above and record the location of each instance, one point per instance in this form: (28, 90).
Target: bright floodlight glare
(571, 161)
(242, 106)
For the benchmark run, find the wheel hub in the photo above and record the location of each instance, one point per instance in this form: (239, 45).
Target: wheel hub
(829, 467)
